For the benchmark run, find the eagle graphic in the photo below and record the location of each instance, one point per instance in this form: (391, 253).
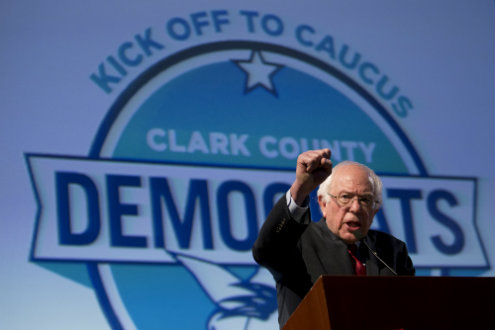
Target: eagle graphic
(250, 304)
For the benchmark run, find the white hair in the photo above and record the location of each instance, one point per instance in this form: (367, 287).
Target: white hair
(375, 181)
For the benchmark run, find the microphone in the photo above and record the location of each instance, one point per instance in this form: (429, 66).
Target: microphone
(359, 235)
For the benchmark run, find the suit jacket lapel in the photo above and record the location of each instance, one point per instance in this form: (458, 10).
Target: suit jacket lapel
(372, 266)
(338, 262)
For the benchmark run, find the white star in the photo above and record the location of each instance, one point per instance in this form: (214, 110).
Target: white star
(259, 72)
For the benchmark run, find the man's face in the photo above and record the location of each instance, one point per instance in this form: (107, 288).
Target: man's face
(344, 219)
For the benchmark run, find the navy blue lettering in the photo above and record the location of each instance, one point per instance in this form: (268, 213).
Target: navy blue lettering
(218, 21)
(381, 219)
(63, 180)
(225, 221)
(146, 43)
(103, 80)
(405, 196)
(272, 25)
(314, 206)
(363, 72)
(249, 19)
(117, 209)
(198, 191)
(198, 23)
(117, 66)
(299, 34)
(381, 86)
(326, 45)
(271, 192)
(352, 64)
(124, 57)
(402, 106)
(178, 28)
(432, 201)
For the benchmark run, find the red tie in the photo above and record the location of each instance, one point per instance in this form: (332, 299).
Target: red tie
(358, 265)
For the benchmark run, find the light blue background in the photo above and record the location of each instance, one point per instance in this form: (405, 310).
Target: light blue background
(439, 53)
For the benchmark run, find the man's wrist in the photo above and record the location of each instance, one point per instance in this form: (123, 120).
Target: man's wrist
(295, 210)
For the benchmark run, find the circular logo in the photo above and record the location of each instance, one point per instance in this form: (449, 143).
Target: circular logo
(248, 109)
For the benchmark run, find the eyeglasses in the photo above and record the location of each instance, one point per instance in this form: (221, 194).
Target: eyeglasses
(345, 199)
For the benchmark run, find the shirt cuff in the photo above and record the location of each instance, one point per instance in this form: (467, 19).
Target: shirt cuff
(296, 211)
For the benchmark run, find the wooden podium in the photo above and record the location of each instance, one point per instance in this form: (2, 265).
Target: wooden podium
(401, 302)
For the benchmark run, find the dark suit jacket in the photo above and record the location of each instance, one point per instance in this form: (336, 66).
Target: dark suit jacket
(298, 253)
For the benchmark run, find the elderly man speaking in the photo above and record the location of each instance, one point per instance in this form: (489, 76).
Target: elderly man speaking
(297, 251)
